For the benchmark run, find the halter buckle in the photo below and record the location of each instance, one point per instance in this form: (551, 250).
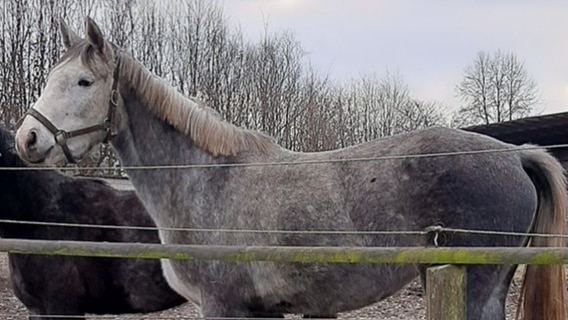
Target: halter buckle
(60, 137)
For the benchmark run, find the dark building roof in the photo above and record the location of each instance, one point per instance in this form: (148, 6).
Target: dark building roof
(544, 130)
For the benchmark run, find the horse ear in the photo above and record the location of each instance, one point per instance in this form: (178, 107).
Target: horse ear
(95, 36)
(68, 36)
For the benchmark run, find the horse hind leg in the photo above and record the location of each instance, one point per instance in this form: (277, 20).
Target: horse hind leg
(494, 307)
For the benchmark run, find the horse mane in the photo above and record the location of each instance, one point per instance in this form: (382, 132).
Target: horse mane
(187, 115)
(190, 116)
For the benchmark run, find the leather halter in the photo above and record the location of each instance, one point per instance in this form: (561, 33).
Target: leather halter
(61, 136)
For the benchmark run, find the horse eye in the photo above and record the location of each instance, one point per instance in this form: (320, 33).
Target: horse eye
(85, 83)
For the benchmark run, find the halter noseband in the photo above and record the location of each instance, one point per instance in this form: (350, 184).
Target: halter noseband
(61, 136)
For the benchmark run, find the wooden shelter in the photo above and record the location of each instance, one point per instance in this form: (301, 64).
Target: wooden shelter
(547, 130)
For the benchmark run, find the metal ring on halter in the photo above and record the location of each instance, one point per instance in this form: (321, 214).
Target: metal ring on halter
(60, 137)
(114, 97)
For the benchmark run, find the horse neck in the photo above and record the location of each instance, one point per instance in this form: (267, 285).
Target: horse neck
(148, 141)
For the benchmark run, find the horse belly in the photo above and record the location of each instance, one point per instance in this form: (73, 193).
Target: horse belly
(330, 288)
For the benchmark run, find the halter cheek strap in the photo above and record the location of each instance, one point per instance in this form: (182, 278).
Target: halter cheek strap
(108, 125)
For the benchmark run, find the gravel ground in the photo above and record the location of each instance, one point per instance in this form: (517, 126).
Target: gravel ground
(406, 304)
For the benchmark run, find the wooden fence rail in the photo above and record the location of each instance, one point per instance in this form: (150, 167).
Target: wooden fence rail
(423, 255)
(445, 289)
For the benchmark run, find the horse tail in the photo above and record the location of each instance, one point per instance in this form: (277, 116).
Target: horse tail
(543, 291)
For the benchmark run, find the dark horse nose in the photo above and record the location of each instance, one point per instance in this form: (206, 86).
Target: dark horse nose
(31, 139)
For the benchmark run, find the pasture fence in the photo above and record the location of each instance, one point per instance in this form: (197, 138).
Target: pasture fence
(445, 279)
(445, 289)
(302, 162)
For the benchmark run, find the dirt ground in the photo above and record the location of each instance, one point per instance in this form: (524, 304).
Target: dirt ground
(406, 304)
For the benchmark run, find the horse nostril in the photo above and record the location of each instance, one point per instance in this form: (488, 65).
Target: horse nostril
(31, 139)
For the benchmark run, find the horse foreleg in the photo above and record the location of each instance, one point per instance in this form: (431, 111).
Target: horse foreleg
(217, 305)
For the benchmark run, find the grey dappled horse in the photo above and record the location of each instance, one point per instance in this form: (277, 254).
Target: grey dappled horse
(97, 92)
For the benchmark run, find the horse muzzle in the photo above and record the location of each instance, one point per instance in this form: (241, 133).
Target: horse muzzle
(32, 141)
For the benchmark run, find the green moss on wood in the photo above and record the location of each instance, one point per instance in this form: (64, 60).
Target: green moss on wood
(495, 255)
(445, 293)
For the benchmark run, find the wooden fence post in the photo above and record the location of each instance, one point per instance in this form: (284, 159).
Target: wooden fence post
(445, 293)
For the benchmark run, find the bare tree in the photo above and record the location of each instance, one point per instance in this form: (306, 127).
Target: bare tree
(496, 88)
(385, 107)
(28, 47)
(263, 85)
(416, 114)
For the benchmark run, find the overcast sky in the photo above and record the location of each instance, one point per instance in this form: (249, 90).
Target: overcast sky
(429, 43)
